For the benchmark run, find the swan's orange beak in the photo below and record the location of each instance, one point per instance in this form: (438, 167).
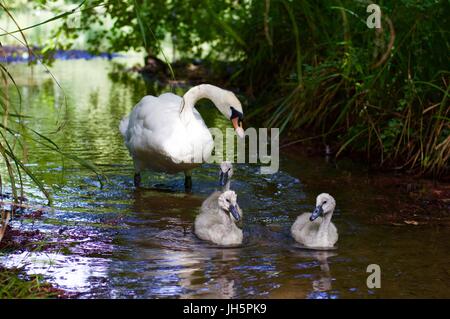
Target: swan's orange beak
(238, 127)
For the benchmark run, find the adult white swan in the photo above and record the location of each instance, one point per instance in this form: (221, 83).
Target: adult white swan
(315, 229)
(167, 134)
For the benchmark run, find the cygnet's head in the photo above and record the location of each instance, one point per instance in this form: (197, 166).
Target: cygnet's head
(228, 203)
(226, 172)
(325, 204)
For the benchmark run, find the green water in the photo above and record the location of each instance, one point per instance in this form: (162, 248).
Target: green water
(124, 243)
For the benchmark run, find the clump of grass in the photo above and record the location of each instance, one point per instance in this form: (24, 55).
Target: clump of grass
(14, 285)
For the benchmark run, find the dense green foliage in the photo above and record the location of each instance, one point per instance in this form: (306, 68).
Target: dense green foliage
(309, 66)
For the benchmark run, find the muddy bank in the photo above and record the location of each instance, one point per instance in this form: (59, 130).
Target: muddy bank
(15, 282)
(420, 201)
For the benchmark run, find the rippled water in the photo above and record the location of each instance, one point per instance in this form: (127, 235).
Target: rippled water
(125, 243)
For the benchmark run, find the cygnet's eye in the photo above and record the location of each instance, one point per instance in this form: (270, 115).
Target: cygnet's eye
(228, 200)
(325, 202)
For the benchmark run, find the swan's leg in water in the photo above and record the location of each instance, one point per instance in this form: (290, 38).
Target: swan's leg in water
(137, 179)
(187, 180)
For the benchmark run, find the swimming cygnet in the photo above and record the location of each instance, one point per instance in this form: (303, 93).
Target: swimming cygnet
(217, 219)
(226, 172)
(316, 229)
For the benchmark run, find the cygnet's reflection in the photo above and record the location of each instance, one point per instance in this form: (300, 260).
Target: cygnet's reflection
(324, 282)
(212, 276)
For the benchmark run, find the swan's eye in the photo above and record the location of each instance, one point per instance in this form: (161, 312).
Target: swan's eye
(228, 200)
(325, 202)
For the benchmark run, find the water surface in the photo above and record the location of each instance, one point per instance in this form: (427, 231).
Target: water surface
(118, 242)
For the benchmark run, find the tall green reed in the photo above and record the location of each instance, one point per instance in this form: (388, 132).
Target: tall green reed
(380, 93)
(14, 132)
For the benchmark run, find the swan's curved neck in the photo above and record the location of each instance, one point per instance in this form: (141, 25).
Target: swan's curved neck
(202, 91)
(226, 187)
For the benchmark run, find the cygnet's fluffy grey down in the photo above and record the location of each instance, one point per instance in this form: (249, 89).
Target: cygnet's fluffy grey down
(217, 219)
(315, 229)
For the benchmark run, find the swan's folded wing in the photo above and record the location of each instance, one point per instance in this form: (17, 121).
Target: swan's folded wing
(333, 233)
(301, 221)
(155, 131)
(298, 227)
(123, 126)
(152, 123)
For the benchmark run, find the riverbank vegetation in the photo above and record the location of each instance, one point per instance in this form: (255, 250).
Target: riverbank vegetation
(312, 68)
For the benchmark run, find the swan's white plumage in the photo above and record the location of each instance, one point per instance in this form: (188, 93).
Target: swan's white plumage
(166, 133)
(216, 225)
(320, 233)
(158, 139)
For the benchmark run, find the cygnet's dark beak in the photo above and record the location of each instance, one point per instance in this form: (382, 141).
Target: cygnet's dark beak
(316, 213)
(223, 179)
(235, 212)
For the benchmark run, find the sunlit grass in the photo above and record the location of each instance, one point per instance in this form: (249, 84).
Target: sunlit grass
(12, 285)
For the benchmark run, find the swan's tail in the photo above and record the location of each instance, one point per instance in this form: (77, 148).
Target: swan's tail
(123, 126)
